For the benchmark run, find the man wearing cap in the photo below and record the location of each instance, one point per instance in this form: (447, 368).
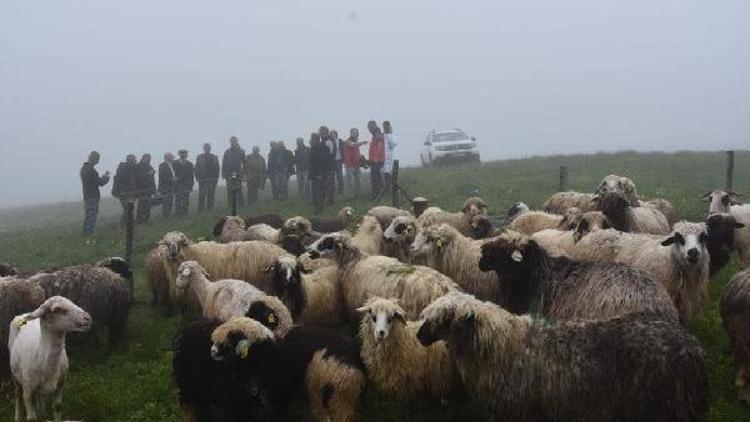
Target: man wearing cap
(185, 179)
(167, 180)
(207, 173)
(91, 181)
(232, 170)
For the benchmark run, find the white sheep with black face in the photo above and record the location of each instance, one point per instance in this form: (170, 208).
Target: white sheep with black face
(398, 237)
(38, 360)
(727, 202)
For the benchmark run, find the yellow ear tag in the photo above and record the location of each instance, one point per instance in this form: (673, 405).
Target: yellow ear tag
(271, 319)
(21, 322)
(439, 243)
(244, 353)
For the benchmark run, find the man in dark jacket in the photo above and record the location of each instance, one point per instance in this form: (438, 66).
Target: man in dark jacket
(321, 165)
(301, 163)
(91, 181)
(124, 185)
(145, 185)
(231, 170)
(207, 174)
(185, 174)
(167, 184)
(255, 174)
(273, 165)
(338, 162)
(284, 171)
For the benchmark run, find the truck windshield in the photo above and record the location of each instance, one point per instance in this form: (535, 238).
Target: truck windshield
(450, 136)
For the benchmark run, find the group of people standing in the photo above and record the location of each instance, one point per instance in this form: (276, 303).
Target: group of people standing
(328, 166)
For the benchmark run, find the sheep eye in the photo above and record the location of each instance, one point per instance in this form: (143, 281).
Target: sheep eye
(400, 228)
(679, 239)
(390, 318)
(374, 318)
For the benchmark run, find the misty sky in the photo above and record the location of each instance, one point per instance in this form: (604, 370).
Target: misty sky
(523, 76)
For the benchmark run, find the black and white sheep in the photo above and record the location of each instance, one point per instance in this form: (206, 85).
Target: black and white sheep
(560, 288)
(627, 218)
(7, 270)
(273, 220)
(323, 362)
(720, 243)
(362, 277)
(385, 215)
(630, 368)
(735, 314)
(38, 360)
(725, 202)
(399, 236)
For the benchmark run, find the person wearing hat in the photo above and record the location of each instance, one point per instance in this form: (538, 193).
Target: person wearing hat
(167, 184)
(91, 182)
(124, 184)
(207, 174)
(185, 179)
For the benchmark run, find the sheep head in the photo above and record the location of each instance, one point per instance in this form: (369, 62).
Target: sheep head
(474, 206)
(287, 274)
(328, 245)
(299, 226)
(481, 227)
(590, 222)
(241, 339)
(58, 314)
(615, 207)
(185, 273)
(402, 229)
(8, 270)
(118, 265)
(447, 317)
(688, 242)
(347, 216)
(270, 312)
(621, 185)
(720, 201)
(173, 242)
(432, 239)
(517, 209)
(510, 253)
(721, 228)
(381, 315)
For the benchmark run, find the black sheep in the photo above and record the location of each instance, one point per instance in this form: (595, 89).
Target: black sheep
(273, 220)
(720, 239)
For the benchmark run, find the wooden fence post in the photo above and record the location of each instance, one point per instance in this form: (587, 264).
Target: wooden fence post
(563, 179)
(730, 171)
(129, 236)
(394, 184)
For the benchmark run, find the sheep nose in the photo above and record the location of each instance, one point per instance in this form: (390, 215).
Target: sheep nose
(693, 253)
(381, 333)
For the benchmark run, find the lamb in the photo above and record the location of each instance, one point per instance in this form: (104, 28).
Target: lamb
(106, 295)
(345, 219)
(325, 362)
(559, 288)
(223, 299)
(273, 220)
(679, 261)
(238, 260)
(535, 370)
(38, 360)
(17, 296)
(621, 185)
(362, 277)
(726, 202)
(735, 314)
(313, 298)
(231, 229)
(561, 202)
(457, 256)
(721, 229)
(395, 361)
(627, 218)
(385, 215)
(462, 221)
(398, 238)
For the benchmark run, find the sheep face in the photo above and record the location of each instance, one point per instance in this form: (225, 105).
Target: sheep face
(299, 226)
(185, 273)
(510, 253)
(241, 340)
(401, 230)
(688, 242)
(449, 316)
(7, 270)
(287, 274)
(59, 314)
(720, 201)
(474, 206)
(381, 315)
(326, 246)
(617, 184)
(174, 242)
(261, 312)
(346, 215)
(721, 228)
(429, 240)
(615, 207)
(481, 227)
(590, 222)
(118, 265)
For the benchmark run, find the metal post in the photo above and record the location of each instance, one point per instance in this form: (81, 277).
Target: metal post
(730, 171)
(394, 184)
(563, 179)
(129, 236)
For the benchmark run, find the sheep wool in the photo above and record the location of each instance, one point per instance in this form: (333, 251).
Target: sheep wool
(561, 202)
(627, 218)
(735, 314)
(532, 370)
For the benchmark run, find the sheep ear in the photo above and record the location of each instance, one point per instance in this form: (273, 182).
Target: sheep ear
(469, 318)
(668, 241)
(269, 268)
(36, 314)
(363, 310)
(242, 349)
(400, 316)
(205, 273)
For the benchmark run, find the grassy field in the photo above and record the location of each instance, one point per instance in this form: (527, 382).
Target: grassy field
(133, 381)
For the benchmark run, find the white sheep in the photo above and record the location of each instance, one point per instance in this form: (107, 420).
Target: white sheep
(223, 299)
(299, 226)
(679, 261)
(561, 202)
(369, 236)
(363, 276)
(533, 221)
(457, 256)
(38, 360)
(396, 363)
(231, 229)
(725, 202)
(462, 221)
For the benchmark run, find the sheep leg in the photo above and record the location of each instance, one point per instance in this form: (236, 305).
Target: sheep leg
(57, 405)
(28, 401)
(17, 397)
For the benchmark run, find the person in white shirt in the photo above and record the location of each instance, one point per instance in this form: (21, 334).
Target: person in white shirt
(390, 145)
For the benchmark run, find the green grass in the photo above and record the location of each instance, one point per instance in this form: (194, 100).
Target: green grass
(133, 381)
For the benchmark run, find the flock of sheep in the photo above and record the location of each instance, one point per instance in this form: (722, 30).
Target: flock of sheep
(573, 312)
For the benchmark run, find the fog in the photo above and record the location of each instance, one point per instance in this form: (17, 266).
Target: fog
(524, 77)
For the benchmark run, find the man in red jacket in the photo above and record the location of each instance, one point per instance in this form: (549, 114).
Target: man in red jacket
(377, 158)
(352, 162)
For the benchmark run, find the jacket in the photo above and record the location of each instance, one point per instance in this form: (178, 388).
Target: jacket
(91, 181)
(124, 184)
(185, 176)
(352, 156)
(377, 149)
(255, 169)
(166, 178)
(207, 167)
(321, 160)
(232, 162)
(144, 179)
(302, 158)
